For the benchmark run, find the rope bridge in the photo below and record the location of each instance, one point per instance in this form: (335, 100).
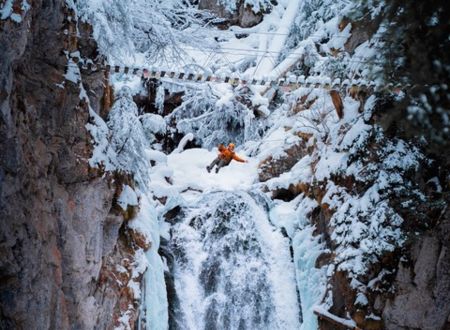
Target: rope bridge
(289, 83)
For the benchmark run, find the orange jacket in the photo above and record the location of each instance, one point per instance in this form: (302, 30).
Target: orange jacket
(228, 155)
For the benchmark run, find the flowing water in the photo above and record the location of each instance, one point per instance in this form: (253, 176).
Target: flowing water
(232, 269)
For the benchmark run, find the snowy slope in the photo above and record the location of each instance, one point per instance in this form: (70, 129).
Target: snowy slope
(190, 172)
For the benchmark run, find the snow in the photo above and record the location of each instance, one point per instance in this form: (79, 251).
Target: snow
(73, 72)
(283, 215)
(330, 163)
(361, 299)
(127, 137)
(139, 267)
(127, 197)
(189, 169)
(339, 38)
(275, 46)
(346, 322)
(103, 155)
(301, 172)
(124, 320)
(6, 9)
(187, 138)
(153, 123)
(16, 17)
(146, 221)
(157, 156)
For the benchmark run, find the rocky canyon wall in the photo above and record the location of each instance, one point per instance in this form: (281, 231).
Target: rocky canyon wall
(60, 233)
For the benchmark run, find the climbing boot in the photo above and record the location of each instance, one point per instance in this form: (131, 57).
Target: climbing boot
(208, 169)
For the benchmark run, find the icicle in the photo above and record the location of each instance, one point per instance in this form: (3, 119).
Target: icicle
(159, 100)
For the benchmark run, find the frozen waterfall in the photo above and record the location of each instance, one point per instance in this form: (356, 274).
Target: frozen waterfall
(232, 269)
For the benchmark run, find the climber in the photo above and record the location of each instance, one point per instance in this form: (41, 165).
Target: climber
(224, 158)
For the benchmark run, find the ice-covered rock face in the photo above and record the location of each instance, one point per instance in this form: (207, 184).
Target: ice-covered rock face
(226, 272)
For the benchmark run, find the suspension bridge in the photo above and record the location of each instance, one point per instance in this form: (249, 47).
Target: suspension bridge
(291, 82)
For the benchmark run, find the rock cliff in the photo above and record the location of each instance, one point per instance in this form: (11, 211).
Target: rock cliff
(59, 229)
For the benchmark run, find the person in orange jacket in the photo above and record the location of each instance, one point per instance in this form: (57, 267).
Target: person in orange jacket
(224, 158)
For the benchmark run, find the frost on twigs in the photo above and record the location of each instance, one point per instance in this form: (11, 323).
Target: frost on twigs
(356, 174)
(120, 143)
(363, 171)
(156, 30)
(128, 137)
(216, 116)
